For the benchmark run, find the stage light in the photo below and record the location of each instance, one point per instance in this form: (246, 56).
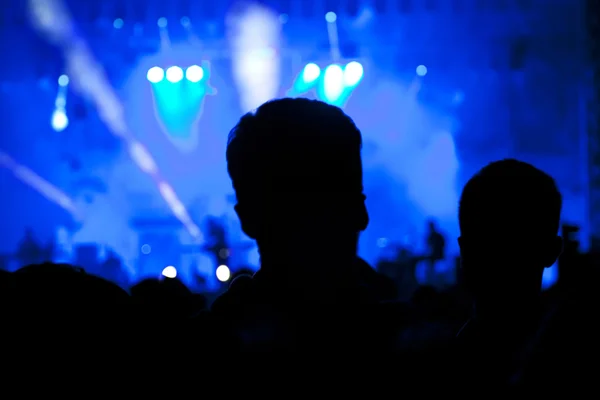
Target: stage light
(118, 23)
(333, 83)
(155, 74)
(179, 104)
(353, 73)
(162, 23)
(330, 17)
(421, 70)
(63, 80)
(169, 272)
(255, 38)
(194, 73)
(223, 273)
(174, 74)
(59, 121)
(146, 249)
(311, 72)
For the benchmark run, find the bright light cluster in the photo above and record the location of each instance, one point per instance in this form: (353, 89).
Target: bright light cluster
(174, 74)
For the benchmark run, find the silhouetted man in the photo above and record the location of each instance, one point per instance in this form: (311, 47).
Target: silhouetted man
(509, 216)
(296, 169)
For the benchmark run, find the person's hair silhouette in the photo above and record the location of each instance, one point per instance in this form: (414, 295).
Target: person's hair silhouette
(509, 216)
(296, 168)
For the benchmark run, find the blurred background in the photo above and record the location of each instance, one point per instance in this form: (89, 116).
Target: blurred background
(116, 116)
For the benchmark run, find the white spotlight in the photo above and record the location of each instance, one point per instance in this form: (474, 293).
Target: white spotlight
(169, 272)
(223, 273)
(174, 74)
(334, 82)
(353, 73)
(59, 121)
(311, 72)
(255, 37)
(194, 73)
(155, 74)
(63, 80)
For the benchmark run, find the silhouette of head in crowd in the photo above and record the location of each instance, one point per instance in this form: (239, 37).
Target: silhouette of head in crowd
(166, 298)
(431, 226)
(296, 169)
(67, 291)
(509, 216)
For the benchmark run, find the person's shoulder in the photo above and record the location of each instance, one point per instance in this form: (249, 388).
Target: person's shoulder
(392, 312)
(389, 316)
(238, 293)
(241, 283)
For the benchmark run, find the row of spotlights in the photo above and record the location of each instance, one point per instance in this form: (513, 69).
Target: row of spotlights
(175, 74)
(352, 73)
(162, 23)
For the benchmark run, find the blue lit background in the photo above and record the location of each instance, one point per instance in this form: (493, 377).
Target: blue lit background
(144, 138)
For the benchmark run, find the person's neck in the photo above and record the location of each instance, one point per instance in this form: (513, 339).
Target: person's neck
(514, 311)
(312, 264)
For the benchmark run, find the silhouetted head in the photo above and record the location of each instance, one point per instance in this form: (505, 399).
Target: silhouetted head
(431, 226)
(67, 294)
(296, 169)
(71, 312)
(509, 215)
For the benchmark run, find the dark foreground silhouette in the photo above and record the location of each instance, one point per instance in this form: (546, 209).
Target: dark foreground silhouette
(317, 316)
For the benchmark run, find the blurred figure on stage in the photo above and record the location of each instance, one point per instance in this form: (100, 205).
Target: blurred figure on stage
(401, 270)
(113, 270)
(217, 243)
(29, 250)
(436, 251)
(408, 281)
(63, 246)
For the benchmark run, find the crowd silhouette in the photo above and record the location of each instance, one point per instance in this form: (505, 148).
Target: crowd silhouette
(314, 305)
